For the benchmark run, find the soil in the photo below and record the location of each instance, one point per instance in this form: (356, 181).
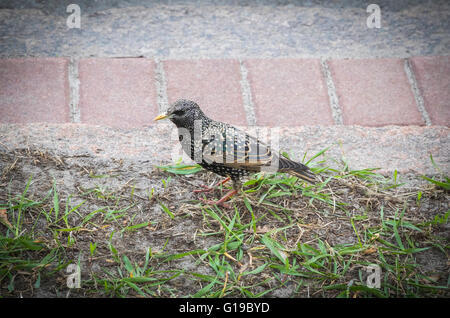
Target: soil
(123, 184)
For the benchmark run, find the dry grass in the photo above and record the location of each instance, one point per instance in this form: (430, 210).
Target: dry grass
(145, 234)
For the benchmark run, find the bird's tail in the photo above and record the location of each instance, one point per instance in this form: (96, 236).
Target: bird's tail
(297, 169)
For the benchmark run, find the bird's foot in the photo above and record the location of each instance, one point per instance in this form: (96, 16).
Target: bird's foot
(211, 202)
(210, 189)
(221, 202)
(205, 189)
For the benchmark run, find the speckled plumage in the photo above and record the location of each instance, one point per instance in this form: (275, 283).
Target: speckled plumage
(224, 149)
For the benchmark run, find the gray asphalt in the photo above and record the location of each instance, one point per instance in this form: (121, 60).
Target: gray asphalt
(218, 29)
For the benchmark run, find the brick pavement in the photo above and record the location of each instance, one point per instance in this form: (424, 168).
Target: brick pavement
(289, 92)
(122, 92)
(316, 103)
(433, 77)
(375, 92)
(213, 84)
(117, 92)
(34, 90)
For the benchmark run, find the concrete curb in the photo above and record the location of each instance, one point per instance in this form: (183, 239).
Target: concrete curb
(405, 149)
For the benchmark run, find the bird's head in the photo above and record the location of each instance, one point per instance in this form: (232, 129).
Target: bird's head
(183, 113)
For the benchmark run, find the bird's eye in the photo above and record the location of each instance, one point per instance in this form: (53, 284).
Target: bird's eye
(178, 112)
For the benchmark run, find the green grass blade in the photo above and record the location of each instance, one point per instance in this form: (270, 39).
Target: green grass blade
(165, 209)
(274, 247)
(55, 202)
(445, 185)
(181, 169)
(317, 155)
(249, 207)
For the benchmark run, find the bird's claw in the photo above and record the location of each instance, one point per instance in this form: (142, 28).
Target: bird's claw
(210, 189)
(218, 203)
(221, 202)
(205, 189)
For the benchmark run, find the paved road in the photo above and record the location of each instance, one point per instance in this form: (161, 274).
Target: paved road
(211, 29)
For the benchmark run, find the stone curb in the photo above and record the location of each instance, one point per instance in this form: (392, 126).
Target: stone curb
(405, 149)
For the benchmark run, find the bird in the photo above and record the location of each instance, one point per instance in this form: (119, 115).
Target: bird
(226, 150)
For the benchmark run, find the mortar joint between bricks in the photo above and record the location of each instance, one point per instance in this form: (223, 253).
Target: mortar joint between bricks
(74, 90)
(161, 86)
(247, 99)
(416, 92)
(336, 109)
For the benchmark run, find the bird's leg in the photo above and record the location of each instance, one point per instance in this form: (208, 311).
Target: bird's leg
(209, 189)
(229, 194)
(221, 202)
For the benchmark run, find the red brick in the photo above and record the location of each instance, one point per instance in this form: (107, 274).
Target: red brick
(433, 78)
(34, 90)
(213, 84)
(374, 92)
(290, 92)
(117, 92)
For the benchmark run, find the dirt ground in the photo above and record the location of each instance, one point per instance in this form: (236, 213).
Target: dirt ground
(121, 193)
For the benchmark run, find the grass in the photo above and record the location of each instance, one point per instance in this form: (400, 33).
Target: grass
(282, 238)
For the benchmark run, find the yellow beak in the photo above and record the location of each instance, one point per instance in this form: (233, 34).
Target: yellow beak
(162, 116)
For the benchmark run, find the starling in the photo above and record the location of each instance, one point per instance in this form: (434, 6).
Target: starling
(226, 150)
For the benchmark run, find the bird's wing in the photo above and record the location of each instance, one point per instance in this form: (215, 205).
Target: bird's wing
(234, 148)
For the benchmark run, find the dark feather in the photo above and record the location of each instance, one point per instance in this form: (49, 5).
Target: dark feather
(297, 169)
